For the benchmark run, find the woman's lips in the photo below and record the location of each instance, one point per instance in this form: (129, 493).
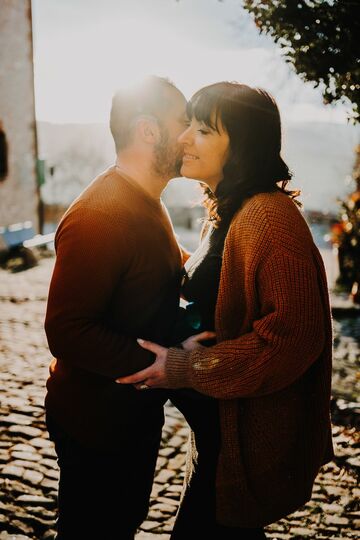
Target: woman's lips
(189, 157)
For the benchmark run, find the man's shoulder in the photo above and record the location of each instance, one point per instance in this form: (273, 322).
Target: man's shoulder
(104, 195)
(101, 205)
(100, 190)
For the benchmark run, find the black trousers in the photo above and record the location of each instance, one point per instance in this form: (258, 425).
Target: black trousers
(196, 517)
(103, 495)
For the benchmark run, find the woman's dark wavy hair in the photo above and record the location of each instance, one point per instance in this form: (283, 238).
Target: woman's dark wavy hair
(251, 118)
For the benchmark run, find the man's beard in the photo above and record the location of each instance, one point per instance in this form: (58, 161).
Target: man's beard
(167, 157)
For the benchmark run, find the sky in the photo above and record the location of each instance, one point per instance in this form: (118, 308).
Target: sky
(85, 49)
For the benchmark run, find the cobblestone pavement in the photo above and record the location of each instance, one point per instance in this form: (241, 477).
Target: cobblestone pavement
(28, 468)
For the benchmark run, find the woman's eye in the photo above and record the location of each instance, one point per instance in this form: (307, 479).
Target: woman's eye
(203, 131)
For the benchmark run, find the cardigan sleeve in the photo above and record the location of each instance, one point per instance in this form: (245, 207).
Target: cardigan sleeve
(284, 340)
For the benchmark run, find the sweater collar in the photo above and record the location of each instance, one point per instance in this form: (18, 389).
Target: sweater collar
(156, 203)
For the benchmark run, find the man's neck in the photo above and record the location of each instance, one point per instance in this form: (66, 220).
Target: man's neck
(143, 176)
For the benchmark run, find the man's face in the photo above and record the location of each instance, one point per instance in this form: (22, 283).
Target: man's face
(168, 152)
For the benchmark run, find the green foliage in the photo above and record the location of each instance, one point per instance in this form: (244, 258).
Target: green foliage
(320, 38)
(346, 235)
(348, 242)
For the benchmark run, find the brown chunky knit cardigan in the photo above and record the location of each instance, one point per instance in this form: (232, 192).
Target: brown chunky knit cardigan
(271, 367)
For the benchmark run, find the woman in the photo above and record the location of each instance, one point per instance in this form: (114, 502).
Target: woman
(259, 281)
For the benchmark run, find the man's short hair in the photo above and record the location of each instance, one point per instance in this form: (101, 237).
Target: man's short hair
(150, 97)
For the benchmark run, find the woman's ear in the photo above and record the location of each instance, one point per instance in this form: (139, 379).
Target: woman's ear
(147, 129)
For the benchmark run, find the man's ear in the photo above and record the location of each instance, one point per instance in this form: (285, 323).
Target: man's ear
(147, 129)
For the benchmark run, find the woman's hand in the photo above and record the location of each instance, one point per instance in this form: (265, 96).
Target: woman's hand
(193, 342)
(155, 375)
(152, 377)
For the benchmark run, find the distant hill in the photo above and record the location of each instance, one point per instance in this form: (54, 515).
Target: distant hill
(321, 156)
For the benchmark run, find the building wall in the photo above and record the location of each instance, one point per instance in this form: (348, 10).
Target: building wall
(18, 191)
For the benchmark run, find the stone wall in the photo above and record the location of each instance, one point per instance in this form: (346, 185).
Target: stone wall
(18, 191)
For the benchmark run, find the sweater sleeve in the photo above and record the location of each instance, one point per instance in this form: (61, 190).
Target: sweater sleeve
(90, 263)
(286, 337)
(185, 253)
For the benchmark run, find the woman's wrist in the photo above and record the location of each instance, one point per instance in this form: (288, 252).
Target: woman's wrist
(177, 367)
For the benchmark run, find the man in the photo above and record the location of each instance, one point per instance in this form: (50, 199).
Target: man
(116, 278)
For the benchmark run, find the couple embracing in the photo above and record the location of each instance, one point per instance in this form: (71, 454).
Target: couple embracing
(246, 359)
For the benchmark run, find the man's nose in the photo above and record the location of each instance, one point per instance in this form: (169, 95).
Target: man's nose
(184, 136)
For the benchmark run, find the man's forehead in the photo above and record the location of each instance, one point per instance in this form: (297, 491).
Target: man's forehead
(174, 94)
(177, 101)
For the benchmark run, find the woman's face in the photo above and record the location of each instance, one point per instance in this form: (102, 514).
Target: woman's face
(205, 152)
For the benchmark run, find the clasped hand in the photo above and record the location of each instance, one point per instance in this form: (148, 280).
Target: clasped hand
(154, 376)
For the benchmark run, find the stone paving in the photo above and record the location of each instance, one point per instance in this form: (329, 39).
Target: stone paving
(28, 467)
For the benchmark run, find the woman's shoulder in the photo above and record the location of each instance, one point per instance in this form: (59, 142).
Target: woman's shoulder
(274, 207)
(275, 201)
(274, 217)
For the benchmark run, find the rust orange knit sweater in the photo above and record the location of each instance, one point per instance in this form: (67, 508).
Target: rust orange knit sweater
(271, 367)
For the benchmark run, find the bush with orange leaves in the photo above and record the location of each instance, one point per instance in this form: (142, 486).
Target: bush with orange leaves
(346, 236)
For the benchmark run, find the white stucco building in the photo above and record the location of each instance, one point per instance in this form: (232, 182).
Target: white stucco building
(19, 199)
